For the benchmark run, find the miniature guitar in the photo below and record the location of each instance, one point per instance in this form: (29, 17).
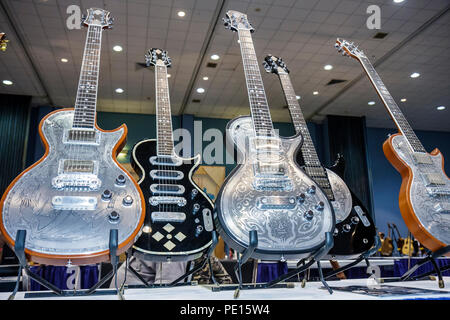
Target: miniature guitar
(77, 192)
(424, 197)
(3, 41)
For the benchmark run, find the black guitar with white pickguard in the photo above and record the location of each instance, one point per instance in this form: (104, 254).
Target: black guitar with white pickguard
(355, 231)
(179, 221)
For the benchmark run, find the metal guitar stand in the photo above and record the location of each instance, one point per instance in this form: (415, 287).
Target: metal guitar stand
(431, 257)
(19, 248)
(302, 265)
(176, 282)
(363, 256)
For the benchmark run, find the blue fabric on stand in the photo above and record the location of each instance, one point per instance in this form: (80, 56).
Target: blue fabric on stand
(401, 266)
(64, 278)
(270, 271)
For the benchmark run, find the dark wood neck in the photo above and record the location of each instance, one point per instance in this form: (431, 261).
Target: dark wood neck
(163, 113)
(312, 164)
(86, 100)
(308, 150)
(262, 121)
(392, 107)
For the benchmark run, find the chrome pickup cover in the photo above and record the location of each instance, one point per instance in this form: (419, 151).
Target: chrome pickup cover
(167, 189)
(170, 161)
(432, 179)
(422, 158)
(157, 200)
(168, 216)
(81, 136)
(272, 184)
(437, 191)
(166, 174)
(76, 182)
(78, 166)
(274, 202)
(74, 203)
(266, 169)
(264, 143)
(442, 207)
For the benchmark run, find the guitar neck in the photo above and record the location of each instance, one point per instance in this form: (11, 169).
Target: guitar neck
(262, 121)
(298, 120)
(86, 100)
(392, 107)
(163, 112)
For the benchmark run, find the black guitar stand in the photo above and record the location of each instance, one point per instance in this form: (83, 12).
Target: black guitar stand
(19, 248)
(302, 265)
(363, 256)
(430, 257)
(177, 282)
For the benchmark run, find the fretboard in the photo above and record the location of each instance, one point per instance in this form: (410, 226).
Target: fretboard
(262, 121)
(86, 101)
(308, 150)
(163, 113)
(392, 107)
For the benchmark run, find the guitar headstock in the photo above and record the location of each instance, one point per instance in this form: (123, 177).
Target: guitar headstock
(275, 65)
(98, 17)
(236, 20)
(157, 56)
(348, 49)
(3, 41)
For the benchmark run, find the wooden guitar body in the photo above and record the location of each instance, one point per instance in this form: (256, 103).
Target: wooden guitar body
(424, 205)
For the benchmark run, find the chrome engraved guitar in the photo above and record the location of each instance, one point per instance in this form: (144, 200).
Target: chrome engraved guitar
(355, 231)
(268, 192)
(77, 192)
(424, 198)
(179, 217)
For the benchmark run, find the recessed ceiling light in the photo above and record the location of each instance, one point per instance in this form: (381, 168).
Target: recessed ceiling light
(441, 108)
(315, 93)
(64, 60)
(239, 41)
(181, 13)
(297, 97)
(403, 100)
(7, 82)
(200, 90)
(398, 1)
(415, 75)
(328, 67)
(117, 48)
(168, 75)
(371, 103)
(215, 57)
(119, 90)
(205, 78)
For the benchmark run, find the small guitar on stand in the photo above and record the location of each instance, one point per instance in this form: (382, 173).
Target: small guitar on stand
(3, 41)
(424, 198)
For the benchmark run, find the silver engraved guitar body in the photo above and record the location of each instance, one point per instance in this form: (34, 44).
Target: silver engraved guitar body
(428, 193)
(289, 211)
(69, 200)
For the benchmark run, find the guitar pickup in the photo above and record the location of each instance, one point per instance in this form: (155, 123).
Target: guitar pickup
(166, 161)
(167, 189)
(422, 158)
(433, 179)
(157, 200)
(442, 207)
(436, 191)
(166, 174)
(80, 136)
(265, 169)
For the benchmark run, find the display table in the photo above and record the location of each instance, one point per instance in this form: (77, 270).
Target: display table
(312, 290)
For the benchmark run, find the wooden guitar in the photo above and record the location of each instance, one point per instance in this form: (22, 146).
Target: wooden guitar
(3, 41)
(424, 198)
(77, 192)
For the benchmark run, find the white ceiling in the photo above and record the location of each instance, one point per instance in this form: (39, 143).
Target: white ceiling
(301, 32)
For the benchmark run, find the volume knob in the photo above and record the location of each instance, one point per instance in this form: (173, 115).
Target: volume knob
(106, 195)
(120, 180)
(309, 215)
(114, 216)
(195, 208)
(320, 206)
(312, 189)
(194, 193)
(127, 201)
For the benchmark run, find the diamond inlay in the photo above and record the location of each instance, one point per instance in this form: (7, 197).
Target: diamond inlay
(169, 245)
(168, 227)
(180, 236)
(157, 236)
